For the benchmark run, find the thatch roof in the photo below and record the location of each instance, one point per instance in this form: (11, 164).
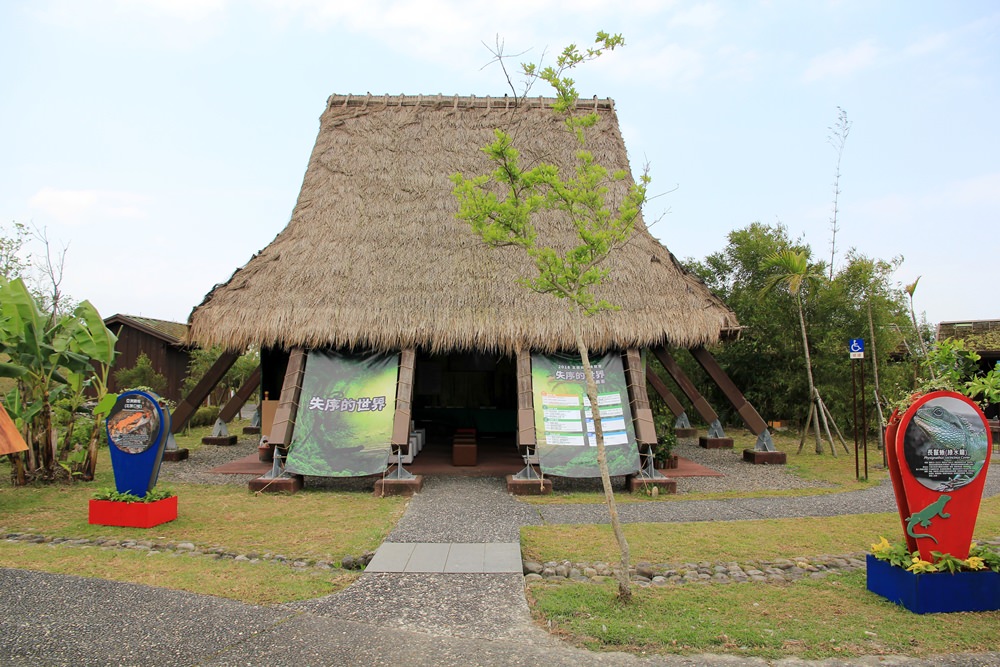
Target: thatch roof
(173, 333)
(374, 257)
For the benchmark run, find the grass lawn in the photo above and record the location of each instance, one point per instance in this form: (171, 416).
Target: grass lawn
(813, 618)
(310, 525)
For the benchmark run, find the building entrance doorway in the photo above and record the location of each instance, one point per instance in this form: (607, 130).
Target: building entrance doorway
(466, 404)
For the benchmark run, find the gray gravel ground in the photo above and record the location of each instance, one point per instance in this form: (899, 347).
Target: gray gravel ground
(58, 621)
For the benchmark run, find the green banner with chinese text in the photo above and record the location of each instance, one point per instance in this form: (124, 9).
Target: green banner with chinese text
(343, 427)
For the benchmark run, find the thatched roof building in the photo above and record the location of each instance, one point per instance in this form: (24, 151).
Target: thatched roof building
(374, 257)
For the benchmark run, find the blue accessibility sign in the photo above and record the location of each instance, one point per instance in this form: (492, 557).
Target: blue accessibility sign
(857, 348)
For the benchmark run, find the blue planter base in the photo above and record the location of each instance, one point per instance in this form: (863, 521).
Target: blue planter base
(934, 592)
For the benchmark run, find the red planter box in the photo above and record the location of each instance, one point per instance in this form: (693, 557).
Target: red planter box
(133, 515)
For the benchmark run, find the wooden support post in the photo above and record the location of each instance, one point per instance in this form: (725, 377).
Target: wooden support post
(660, 387)
(764, 450)
(701, 406)
(645, 431)
(404, 396)
(288, 404)
(525, 402)
(732, 393)
(242, 394)
(186, 408)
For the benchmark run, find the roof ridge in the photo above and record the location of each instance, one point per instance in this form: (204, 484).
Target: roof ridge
(456, 101)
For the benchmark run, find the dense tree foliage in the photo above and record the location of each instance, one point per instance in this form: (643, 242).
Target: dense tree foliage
(768, 363)
(203, 359)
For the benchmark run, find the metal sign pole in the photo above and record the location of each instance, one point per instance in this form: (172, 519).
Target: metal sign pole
(864, 419)
(856, 348)
(854, 404)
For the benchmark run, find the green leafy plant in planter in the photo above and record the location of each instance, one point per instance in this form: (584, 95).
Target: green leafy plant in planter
(981, 557)
(152, 496)
(663, 450)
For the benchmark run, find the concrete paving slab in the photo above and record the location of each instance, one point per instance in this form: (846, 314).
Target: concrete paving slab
(391, 557)
(438, 557)
(465, 558)
(503, 557)
(428, 557)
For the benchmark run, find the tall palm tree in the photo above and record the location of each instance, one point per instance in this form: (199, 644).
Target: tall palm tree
(794, 272)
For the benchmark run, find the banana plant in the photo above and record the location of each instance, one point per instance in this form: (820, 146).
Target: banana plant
(39, 354)
(95, 341)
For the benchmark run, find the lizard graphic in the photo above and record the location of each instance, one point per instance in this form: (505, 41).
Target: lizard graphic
(924, 516)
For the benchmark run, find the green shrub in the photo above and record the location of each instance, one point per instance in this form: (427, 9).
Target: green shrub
(142, 375)
(205, 416)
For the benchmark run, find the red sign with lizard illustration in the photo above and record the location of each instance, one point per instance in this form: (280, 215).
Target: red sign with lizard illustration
(939, 453)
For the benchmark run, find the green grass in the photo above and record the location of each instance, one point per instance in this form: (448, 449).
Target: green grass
(728, 540)
(813, 618)
(310, 525)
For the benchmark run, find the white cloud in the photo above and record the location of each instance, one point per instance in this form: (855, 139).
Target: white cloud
(191, 11)
(840, 63)
(88, 207)
(703, 16)
(669, 67)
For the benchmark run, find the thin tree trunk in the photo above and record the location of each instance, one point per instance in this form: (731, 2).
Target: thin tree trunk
(876, 391)
(813, 394)
(819, 437)
(821, 409)
(20, 479)
(90, 465)
(836, 429)
(624, 583)
(805, 429)
(67, 440)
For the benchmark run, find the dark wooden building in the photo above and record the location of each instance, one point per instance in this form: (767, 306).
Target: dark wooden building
(160, 340)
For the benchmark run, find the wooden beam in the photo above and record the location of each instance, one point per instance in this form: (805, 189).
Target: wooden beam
(404, 397)
(242, 394)
(701, 406)
(526, 436)
(660, 387)
(186, 408)
(642, 415)
(288, 404)
(732, 393)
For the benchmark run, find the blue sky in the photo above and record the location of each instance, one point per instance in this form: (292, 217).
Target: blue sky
(165, 140)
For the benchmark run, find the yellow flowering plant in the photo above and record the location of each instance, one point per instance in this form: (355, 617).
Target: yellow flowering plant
(980, 558)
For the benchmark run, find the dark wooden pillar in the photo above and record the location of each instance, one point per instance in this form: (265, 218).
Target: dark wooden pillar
(288, 404)
(645, 430)
(747, 413)
(186, 408)
(735, 397)
(660, 387)
(525, 402)
(404, 397)
(242, 394)
(701, 406)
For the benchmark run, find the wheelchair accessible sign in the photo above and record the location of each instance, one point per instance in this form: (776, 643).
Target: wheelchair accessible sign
(857, 348)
